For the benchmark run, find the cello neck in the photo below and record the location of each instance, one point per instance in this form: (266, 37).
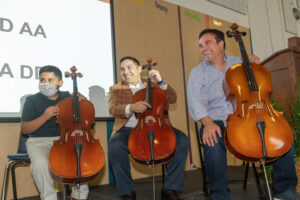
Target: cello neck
(149, 89)
(149, 92)
(249, 72)
(243, 52)
(76, 107)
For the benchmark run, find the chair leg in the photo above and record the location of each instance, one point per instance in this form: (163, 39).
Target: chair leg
(205, 187)
(246, 176)
(13, 179)
(163, 174)
(261, 196)
(4, 186)
(66, 193)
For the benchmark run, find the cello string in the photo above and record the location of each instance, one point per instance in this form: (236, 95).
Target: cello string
(255, 94)
(258, 99)
(253, 87)
(251, 81)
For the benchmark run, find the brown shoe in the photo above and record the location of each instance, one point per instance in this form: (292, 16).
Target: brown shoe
(170, 195)
(131, 196)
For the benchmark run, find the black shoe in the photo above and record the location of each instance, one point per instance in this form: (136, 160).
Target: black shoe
(170, 195)
(131, 196)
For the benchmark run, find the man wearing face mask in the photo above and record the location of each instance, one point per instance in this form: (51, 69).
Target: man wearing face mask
(39, 121)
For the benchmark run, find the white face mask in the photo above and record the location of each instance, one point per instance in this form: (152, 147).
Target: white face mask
(47, 89)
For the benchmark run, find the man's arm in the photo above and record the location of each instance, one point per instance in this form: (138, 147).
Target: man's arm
(210, 130)
(115, 105)
(197, 96)
(171, 94)
(33, 125)
(29, 126)
(198, 105)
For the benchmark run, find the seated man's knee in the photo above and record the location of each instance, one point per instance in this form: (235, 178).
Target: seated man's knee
(215, 152)
(39, 164)
(114, 147)
(184, 143)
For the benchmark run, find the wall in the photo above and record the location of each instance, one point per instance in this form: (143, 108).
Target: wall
(265, 18)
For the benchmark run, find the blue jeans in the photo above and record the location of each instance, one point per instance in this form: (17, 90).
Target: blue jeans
(216, 166)
(284, 173)
(118, 158)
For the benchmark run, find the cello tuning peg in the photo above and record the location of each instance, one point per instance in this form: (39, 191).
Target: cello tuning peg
(67, 74)
(73, 69)
(243, 33)
(154, 64)
(79, 75)
(229, 34)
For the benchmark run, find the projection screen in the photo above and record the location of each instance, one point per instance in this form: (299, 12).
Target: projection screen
(63, 33)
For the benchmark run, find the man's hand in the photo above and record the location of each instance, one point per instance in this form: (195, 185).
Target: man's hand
(209, 134)
(155, 75)
(81, 97)
(254, 59)
(50, 112)
(139, 107)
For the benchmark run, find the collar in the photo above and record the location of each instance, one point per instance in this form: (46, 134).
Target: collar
(140, 84)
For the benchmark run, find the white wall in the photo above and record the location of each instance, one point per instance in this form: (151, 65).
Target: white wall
(206, 7)
(265, 19)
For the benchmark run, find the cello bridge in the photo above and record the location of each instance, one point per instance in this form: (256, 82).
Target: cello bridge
(149, 118)
(256, 106)
(77, 132)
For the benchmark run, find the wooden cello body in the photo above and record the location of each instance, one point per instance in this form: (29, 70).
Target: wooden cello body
(256, 131)
(76, 157)
(243, 138)
(152, 141)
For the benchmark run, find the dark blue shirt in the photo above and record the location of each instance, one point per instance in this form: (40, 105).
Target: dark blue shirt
(34, 106)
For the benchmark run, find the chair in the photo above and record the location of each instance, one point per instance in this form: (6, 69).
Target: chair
(205, 182)
(21, 157)
(163, 169)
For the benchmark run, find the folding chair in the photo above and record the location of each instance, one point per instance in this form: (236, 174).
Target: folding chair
(21, 157)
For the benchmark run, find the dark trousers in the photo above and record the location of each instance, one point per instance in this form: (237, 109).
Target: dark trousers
(119, 161)
(284, 173)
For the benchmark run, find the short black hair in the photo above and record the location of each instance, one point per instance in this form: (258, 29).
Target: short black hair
(51, 68)
(130, 58)
(219, 35)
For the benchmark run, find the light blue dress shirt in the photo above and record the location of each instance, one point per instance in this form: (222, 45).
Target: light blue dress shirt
(205, 91)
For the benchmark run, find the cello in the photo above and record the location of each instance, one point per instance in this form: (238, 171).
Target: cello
(255, 131)
(153, 140)
(76, 157)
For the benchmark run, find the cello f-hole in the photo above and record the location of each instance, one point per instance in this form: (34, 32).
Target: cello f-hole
(243, 109)
(268, 109)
